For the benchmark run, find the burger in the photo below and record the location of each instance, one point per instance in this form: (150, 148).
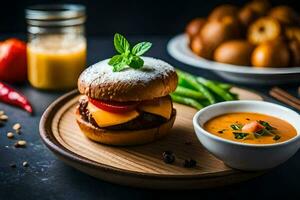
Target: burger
(127, 107)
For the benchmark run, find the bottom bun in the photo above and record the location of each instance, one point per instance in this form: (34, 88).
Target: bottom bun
(126, 137)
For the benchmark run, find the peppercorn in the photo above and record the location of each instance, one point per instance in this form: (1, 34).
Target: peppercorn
(13, 165)
(189, 163)
(168, 157)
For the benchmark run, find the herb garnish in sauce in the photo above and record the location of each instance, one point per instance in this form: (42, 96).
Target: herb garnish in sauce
(257, 128)
(236, 127)
(239, 135)
(268, 129)
(266, 125)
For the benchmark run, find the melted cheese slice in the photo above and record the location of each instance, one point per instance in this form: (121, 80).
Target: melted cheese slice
(161, 107)
(104, 118)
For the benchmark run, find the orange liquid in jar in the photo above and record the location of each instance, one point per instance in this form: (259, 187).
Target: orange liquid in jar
(55, 61)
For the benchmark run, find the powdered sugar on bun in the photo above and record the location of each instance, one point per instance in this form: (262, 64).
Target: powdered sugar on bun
(155, 79)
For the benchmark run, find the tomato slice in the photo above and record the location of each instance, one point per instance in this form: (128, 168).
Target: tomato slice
(113, 106)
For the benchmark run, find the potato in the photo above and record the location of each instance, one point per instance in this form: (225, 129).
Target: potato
(222, 11)
(271, 54)
(247, 16)
(294, 47)
(252, 11)
(197, 46)
(236, 52)
(264, 29)
(194, 27)
(260, 7)
(285, 15)
(293, 33)
(214, 33)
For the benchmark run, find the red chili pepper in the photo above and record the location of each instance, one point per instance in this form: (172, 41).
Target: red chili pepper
(11, 96)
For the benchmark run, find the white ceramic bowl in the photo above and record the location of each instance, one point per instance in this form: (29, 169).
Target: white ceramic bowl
(248, 156)
(178, 48)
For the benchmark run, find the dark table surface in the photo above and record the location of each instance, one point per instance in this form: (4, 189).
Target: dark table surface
(49, 178)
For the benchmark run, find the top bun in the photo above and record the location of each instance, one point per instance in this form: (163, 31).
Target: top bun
(155, 79)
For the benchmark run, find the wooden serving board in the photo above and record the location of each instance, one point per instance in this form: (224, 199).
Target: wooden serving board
(139, 166)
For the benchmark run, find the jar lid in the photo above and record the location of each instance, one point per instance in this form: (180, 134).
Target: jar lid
(55, 14)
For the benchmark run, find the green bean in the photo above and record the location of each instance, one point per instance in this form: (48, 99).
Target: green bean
(186, 92)
(215, 88)
(182, 82)
(234, 95)
(186, 101)
(191, 80)
(204, 102)
(225, 86)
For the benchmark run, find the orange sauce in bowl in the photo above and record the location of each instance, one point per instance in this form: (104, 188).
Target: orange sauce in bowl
(230, 126)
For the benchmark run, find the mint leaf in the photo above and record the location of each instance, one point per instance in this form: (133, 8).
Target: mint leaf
(136, 62)
(127, 57)
(121, 43)
(120, 66)
(115, 60)
(141, 48)
(119, 62)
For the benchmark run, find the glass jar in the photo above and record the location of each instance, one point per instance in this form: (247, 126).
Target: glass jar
(56, 49)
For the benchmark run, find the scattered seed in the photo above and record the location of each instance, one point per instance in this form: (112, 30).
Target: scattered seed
(189, 163)
(13, 165)
(20, 143)
(10, 135)
(168, 157)
(16, 126)
(3, 117)
(25, 164)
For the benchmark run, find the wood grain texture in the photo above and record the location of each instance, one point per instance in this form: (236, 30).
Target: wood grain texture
(136, 164)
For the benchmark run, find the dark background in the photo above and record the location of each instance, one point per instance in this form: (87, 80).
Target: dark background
(47, 177)
(131, 17)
